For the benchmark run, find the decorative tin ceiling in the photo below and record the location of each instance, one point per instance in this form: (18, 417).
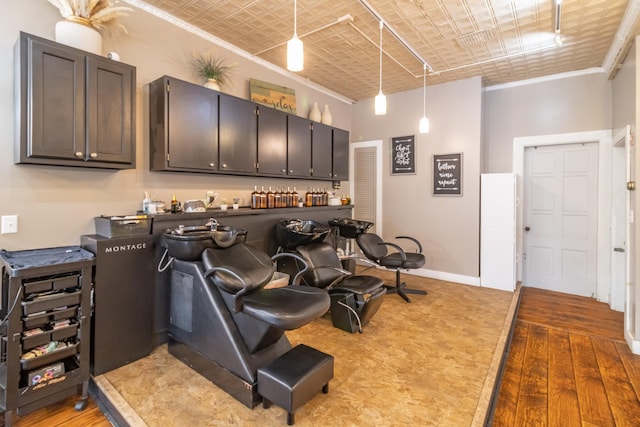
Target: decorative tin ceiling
(501, 40)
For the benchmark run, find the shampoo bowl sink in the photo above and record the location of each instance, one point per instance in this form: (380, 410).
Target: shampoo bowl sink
(291, 233)
(188, 243)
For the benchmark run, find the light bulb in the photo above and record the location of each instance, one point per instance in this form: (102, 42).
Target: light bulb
(424, 125)
(295, 54)
(380, 104)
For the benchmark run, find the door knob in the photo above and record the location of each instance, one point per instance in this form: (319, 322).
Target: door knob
(527, 228)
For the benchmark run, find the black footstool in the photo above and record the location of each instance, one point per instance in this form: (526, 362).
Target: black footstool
(294, 378)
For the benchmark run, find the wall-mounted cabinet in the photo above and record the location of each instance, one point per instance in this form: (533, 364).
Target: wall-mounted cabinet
(321, 156)
(298, 146)
(340, 150)
(190, 142)
(272, 142)
(73, 108)
(196, 129)
(238, 135)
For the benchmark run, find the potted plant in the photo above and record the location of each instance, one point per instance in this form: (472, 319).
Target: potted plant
(213, 70)
(84, 20)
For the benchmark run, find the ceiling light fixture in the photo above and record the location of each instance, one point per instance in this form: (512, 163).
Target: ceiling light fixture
(381, 100)
(295, 53)
(424, 122)
(558, 37)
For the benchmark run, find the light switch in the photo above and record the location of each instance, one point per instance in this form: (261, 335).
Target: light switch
(9, 224)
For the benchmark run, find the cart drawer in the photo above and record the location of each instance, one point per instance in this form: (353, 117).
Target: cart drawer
(51, 301)
(41, 319)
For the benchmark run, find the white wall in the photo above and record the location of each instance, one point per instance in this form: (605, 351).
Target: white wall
(569, 103)
(448, 227)
(56, 205)
(624, 92)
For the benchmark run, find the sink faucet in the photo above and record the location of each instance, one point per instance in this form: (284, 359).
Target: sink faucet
(213, 223)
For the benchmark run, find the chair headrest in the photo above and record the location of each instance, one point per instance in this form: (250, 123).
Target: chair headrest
(251, 267)
(319, 256)
(369, 244)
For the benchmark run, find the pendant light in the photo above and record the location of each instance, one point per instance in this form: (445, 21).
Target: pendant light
(424, 122)
(381, 100)
(295, 54)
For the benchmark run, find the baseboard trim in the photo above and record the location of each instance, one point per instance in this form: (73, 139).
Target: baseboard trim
(634, 344)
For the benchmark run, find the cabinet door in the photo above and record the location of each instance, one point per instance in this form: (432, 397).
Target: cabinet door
(192, 126)
(110, 111)
(298, 146)
(52, 81)
(340, 155)
(321, 157)
(272, 141)
(238, 135)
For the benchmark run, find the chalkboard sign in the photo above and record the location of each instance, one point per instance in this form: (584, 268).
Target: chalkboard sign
(447, 174)
(403, 155)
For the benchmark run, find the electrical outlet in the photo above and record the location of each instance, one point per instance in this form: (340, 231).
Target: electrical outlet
(9, 224)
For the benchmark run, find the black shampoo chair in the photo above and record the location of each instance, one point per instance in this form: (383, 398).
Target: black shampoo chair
(355, 297)
(226, 326)
(375, 249)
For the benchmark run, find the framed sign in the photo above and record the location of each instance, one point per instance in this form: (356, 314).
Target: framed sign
(274, 96)
(403, 155)
(447, 174)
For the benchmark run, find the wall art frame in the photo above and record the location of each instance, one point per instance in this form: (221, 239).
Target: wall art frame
(403, 155)
(447, 174)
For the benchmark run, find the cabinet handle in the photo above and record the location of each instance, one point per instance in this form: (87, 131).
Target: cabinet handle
(290, 170)
(211, 165)
(284, 171)
(79, 154)
(93, 155)
(224, 165)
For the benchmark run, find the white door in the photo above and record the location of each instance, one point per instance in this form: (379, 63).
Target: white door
(560, 218)
(619, 209)
(366, 182)
(632, 299)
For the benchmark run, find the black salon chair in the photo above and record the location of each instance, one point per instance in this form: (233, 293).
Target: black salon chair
(353, 297)
(376, 250)
(226, 325)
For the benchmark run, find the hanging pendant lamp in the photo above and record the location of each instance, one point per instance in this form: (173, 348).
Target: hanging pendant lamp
(424, 122)
(295, 53)
(381, 100)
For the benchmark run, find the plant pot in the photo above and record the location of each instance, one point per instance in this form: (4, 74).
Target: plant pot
(212, 84)
(78, 33)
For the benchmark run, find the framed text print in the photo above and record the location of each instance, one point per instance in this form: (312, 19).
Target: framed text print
(447, 174)
(403, 155)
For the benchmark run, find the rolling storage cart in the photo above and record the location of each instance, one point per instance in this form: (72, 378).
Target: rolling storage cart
(45, 332)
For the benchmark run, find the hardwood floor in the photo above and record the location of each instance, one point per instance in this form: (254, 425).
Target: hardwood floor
(63, 414)
(568, 366)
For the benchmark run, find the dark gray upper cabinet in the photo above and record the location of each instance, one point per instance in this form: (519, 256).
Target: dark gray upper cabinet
(195, 129)
(340, 155)
(183, 125)
(238, 135)
(298, 147)
(272, 141)
(72, 108)
(321, 146)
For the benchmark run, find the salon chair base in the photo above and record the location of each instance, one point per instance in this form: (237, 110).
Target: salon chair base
(294, 378)
(238, 388)
(402, 290)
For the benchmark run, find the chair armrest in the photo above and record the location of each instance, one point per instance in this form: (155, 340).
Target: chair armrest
(237, 297)
(305, 266)
(414, 240)
(397, 248)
